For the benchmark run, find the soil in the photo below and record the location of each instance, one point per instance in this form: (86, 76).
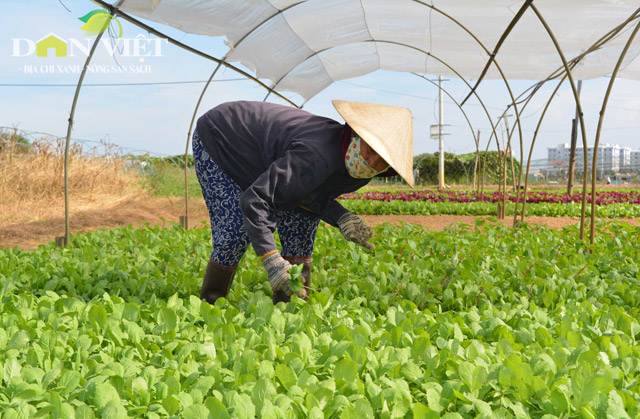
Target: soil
(28, 233)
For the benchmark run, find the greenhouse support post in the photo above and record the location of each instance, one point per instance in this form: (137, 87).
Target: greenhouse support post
(66, 239)
(577, 99)
(533, 143)
(475, 162)
(185, 221)
(117, 12)
(599, 130)
(572, 151)
(503, 38)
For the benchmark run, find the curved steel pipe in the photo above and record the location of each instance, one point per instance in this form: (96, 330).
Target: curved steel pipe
(186, 151)
(533, 142)
(486, 50)
(579, 106)
(503, 38)
(116, 11)
(599, 130)
(67, 235)
(275, 85)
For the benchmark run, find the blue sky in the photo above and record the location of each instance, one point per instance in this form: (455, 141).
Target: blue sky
(155, 118)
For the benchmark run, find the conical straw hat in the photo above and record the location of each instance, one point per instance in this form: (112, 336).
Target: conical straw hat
(387, 129)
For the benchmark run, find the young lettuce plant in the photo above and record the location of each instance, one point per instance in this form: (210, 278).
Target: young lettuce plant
(296, 280)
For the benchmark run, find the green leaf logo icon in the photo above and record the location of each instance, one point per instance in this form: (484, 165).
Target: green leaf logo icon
(97, 21)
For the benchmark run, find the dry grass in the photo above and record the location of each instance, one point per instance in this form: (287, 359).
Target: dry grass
(32, 181)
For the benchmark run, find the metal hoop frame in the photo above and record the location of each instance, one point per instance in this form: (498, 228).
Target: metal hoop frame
(563, 72)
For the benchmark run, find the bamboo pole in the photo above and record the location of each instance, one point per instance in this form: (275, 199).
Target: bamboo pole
(533, 142)
(506, 147)
(492, 55)
(504, 182)
(599, 130)
(67, 235)
(500, 178)
(117, 12)
(503, 38)
(475, 163)
(493, 127)
(484, 161)
(515, 186)
(185, 224)
(577, 99)
(536, 87)
(503, 178)
(509, 151)
(470, 33)
(572, 153)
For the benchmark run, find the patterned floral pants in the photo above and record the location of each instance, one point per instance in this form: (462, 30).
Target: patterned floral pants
(297, 229)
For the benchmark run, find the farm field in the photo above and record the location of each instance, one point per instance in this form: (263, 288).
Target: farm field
(444, 320)
(29, 223)
(474, 321)
(440, 290)
(29, 232)
(609, 203)
(621, 210)
(603, 197)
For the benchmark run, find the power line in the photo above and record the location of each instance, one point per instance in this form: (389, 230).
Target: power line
(409, 95)
(471, 104)
(386, 91)
(117, 84)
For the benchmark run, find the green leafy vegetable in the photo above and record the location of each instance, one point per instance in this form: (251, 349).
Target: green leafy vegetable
(474, 321)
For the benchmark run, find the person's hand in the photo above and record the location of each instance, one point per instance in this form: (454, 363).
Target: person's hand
(278, 273)
(355, 230)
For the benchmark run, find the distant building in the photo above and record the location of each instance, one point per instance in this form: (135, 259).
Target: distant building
(625, 157)
(634, 160)
(611, 157)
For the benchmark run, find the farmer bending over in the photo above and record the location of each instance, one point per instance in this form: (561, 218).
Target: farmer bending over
(264, 166)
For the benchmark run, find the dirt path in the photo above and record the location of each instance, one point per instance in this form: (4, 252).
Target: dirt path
(28, 233)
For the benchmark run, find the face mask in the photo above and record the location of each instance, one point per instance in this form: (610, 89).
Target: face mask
(356, 165)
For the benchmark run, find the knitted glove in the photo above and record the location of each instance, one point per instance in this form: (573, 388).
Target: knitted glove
(277, 271)
(355, 230)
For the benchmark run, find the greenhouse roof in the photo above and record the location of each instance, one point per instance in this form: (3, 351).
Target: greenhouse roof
(304, 46)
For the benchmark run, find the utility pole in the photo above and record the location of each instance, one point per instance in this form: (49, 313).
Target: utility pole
(572, 152)
(440, 136)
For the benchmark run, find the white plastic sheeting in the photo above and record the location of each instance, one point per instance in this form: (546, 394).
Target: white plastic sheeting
(303, 46)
